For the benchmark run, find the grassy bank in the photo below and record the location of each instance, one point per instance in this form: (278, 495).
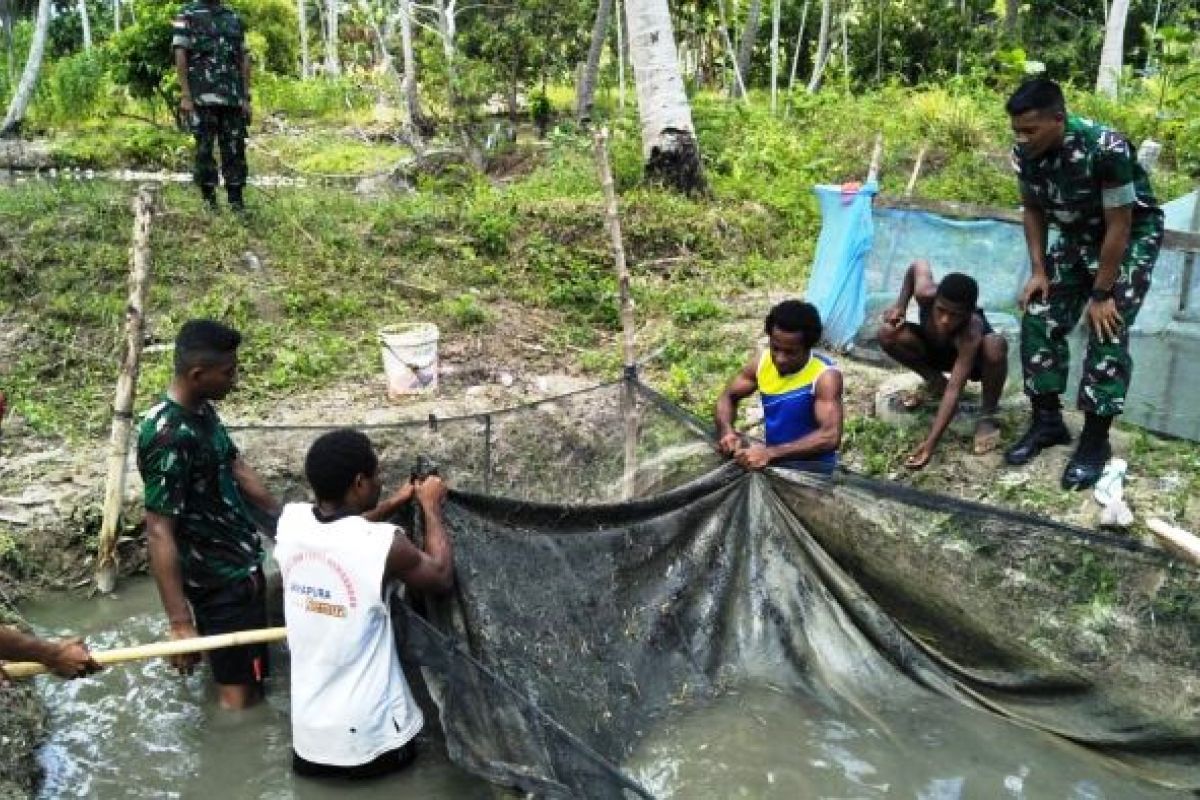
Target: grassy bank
(521, 256)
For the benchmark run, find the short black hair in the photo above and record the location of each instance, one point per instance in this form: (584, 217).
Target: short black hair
(1036, 94)
(959, 289)
(335, 459)
(202, 343)
(796, 316)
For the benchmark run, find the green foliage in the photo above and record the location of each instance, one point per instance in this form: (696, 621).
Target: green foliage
(128, 145)
(321, 98)
(141, 53)
(272, 34)
(465, 311)
(74, 88)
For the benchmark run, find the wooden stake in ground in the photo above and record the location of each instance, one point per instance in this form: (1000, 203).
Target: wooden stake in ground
(1184, 544)
(916, 172)
(876, 159)
(629, 352)
(122, 420)
(174, 647)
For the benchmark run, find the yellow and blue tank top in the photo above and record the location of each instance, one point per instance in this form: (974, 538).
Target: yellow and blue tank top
(788, 401)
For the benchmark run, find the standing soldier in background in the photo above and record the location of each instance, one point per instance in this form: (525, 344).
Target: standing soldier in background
(1084, 179)
(213, 67)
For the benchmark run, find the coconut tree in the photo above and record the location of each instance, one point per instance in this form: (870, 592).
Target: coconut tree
(333, 65)
(1112, 53)
(746, 45)
(302, 21)
(86, 25)
(33, 65)
(669, 145)
(586, 91)
(822, 54)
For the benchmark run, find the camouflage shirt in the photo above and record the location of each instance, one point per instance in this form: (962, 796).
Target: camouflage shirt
(214, 39)
(186, 461)
(1070, 183)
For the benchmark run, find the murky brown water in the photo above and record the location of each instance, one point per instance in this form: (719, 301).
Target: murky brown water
(140, 731)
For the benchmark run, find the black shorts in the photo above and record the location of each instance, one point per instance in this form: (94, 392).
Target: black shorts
(237, 606)
(941, 355)
(385, 764)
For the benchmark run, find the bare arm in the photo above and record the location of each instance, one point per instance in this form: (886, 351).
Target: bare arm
(164, 565)
(66, 658)
(1117, 224)
(827, 408)
(181, 72)
(253, 488)
(967, 346)
(388, 506)
(742, 386)
(431, 569)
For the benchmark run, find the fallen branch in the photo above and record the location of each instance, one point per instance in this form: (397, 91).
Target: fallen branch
(1184, 544)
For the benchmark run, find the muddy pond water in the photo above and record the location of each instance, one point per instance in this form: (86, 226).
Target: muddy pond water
(141, 731)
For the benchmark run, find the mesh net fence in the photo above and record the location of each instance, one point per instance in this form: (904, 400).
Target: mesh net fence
(612, 572)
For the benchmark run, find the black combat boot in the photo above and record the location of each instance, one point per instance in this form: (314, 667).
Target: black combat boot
(1087, 463)
(1046, 430)
(209, 193)
(236, 204)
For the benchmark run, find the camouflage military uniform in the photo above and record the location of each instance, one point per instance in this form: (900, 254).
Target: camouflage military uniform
(214, 39)
(1068, 185)
(186, 461)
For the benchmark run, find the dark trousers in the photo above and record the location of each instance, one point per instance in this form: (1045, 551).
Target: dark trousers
(224, 127)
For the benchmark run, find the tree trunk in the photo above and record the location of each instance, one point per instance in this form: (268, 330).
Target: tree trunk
(116, 16)
(1112, 54)
(6, 17)
(746, 45)
(775, 55)
(586, 91)
(446, 30)
(796, 52)
(302, 21)
(1012, 10)
(622, 50)
(845, 52)
(333, 66)
(86, 24)
(738, 89)
(33, 65)
(412, 100)
(822, 54)
(669, 146)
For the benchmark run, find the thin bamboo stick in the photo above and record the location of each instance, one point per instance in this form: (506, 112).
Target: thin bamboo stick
(628, 398)
(122, 420)
(916, 172)
(174, 647)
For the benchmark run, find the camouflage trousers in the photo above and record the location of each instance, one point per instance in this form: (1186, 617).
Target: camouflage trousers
(224, 126)
(1107, 367)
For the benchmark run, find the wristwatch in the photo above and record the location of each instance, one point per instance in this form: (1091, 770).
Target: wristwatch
(1101, 295)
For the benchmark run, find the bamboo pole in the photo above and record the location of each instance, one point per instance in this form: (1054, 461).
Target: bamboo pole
(876, 159)
(1179, 541)
(122, 420)
(173, 647)
(916, 172)
(629, 351)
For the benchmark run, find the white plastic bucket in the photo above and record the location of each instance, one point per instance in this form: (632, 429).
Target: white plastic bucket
(410, 358)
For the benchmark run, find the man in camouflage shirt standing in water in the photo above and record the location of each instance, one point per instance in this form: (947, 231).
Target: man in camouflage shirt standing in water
(213, 66)
(1083, 178)
(205, 552)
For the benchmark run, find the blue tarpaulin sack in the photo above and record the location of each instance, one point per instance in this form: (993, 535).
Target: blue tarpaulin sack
(838, 283)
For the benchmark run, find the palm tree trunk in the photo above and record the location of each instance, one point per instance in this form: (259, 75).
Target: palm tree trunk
(738, 89)
(412, 100)
(86, 24)
(586, 91)
(746, 45)
(1112, 54)
(1012, 10)
(669, 147)
(6, 16)
(333, 66)
(29, 76)
(822, 54)
(116, 16)
(775, 55)
(305, 57)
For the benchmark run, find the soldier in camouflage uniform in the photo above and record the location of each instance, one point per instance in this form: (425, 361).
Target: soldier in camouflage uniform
(213, 67)
(205, 551)
(1083, 178)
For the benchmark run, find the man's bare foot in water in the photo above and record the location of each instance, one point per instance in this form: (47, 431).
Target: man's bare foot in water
(987, 435)
(927, 392)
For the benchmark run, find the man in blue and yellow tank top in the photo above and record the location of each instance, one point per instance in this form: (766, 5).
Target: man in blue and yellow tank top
(801, 395)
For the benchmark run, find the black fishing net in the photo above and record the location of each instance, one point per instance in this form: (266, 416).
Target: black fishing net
(612, 573)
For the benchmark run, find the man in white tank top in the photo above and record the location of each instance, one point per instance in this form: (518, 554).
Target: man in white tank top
(353, 714)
